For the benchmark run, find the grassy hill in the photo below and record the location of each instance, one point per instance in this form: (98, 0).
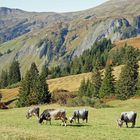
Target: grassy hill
(101, 124)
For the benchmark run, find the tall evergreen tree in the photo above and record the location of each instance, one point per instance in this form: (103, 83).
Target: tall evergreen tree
(24, 91)
(42, 90)
(3, 79)
(34, 76)
(107, 86)
(45, 71)
(33, 89)
(82, 88)
(127, 83)
(96, 81)
(14, 73)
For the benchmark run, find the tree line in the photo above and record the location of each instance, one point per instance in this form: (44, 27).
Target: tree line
(85, 63)
(125, 87)
(12, 76)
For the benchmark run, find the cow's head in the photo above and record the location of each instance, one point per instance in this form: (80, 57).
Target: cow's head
(41, 118)
(120, 123)
(28, 115)
(71, 119)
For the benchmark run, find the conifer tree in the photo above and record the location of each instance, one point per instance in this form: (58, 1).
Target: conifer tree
(107, 86)
(96, 82)
(127, 83)
(24, 91)
(33, 89)
(82, 88)
(14, 73)
(42, 90)
(45, 71)
(3, 79)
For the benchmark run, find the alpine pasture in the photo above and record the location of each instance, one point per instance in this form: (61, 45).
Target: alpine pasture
(101, 125)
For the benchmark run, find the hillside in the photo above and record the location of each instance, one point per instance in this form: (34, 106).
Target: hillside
(52, 38)
(70, 83)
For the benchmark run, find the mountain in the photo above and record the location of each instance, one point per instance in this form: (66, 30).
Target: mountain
(55, 38)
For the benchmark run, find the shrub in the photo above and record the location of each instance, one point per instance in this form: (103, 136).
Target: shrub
(62, 96)
(86, 101)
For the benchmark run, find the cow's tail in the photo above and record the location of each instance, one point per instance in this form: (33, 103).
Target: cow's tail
(135, 116)
(86, 116)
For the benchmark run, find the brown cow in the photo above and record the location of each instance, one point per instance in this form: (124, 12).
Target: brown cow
(55, 114)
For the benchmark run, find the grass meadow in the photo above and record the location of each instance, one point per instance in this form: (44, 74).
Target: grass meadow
(101, 126)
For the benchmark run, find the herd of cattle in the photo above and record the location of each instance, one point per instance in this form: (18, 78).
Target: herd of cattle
(60, 114)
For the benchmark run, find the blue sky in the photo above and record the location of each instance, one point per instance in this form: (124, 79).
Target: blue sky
(51, 5)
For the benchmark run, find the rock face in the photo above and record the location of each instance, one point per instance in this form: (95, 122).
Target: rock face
(54, 38)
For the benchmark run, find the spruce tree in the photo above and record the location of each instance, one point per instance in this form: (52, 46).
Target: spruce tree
(82, 88)
(107, 86)
(24, 91)
(34, 76)
(45, 71)
(3, 79)
(33, 89)
(127, 83)
(42, 90)
(96, 82)
(14, 73)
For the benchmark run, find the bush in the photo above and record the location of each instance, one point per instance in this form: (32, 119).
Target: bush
(86, 101)
(61, 96)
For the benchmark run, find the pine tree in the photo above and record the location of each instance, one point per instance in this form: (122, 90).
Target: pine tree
(34, 76)
(42, 90)
(96, 82)
(82, 88)
(33, 89)
(14, 73)
(4, 79)
(24, 91)
(107, 86)
(45, 71)
(127, 83)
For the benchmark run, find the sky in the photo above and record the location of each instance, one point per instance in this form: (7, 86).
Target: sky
(51, 5)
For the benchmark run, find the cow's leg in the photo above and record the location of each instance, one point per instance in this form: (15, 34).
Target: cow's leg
(133, 124)
(86, 120)
(78, 119)
(126, 124)
(50, 121)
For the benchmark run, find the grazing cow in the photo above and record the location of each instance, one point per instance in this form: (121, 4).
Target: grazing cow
(55, 114)
(33, 112)
(127, 117)
(79, 114)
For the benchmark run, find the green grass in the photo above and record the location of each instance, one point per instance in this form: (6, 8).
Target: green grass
(101, 126)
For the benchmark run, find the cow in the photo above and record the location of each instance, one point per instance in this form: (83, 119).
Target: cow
(33, 112)
(55, 114)
(127, 117)
(79, 114)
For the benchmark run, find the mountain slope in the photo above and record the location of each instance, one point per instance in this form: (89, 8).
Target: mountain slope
(53, 38)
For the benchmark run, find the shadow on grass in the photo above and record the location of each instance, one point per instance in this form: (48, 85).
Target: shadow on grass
(132, 127)
(68, 125)
(137, 127)
(78, 125)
